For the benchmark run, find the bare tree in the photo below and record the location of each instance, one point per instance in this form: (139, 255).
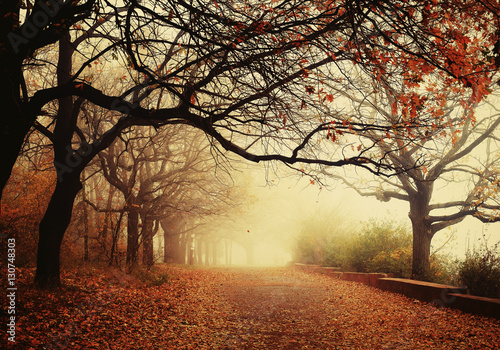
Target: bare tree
(161, 175)
(248, 75)
(465, 152)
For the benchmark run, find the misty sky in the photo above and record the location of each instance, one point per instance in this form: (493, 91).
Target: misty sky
(275, 211)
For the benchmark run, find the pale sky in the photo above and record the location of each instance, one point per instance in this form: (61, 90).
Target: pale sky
(275, 211)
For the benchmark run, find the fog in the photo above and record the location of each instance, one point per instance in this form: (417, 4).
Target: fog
(282, 200)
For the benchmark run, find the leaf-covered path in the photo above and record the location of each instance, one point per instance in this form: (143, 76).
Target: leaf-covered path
(237, 308)
(285, 309)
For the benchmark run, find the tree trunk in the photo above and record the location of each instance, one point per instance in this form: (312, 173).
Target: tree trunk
(207, 252)
(114, 238)
(227, 250)
(199, 251)
(132, 237)
(52, 228)
(214, 245)
(422, 232)
(85, 219)
(147, 242)
(190, 251)
(421, 253)
(12, 134)
(166, 246)
(86, 246)
(108, 215)
(14, 123)
(171, 243)
(181, 253)
(69, 168)
(106, 227)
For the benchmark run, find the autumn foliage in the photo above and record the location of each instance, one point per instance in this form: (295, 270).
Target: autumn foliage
(179, 308)
(24, 203)
(260, 79)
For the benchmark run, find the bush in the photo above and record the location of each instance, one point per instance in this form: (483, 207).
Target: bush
(320, 248)
(382, 247)
(397, 262)
(323, 240)
(443, 270)
(308, 249)
(480, 273)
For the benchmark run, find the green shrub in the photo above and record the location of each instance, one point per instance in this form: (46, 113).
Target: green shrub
(379, 246)
(443, 270)
(382, 247)
(397, 261)
(480, 273)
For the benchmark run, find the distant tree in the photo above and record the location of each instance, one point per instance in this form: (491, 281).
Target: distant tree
(98, 218)
(464, 150)
(249, 75)
(162, 174)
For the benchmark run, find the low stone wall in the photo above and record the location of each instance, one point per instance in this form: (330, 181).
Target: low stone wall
(425, 291)
(330, 271)
(306, 267)
(441, 294)
(366, 278)
(475, 305)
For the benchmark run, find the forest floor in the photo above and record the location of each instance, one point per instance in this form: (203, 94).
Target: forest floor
(174, 307)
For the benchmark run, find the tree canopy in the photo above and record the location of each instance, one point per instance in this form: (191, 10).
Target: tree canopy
(249, 73)
(260, 79)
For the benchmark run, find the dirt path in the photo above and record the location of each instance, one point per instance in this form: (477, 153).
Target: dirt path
(275, 309)
(286, 309)
(222, 308)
